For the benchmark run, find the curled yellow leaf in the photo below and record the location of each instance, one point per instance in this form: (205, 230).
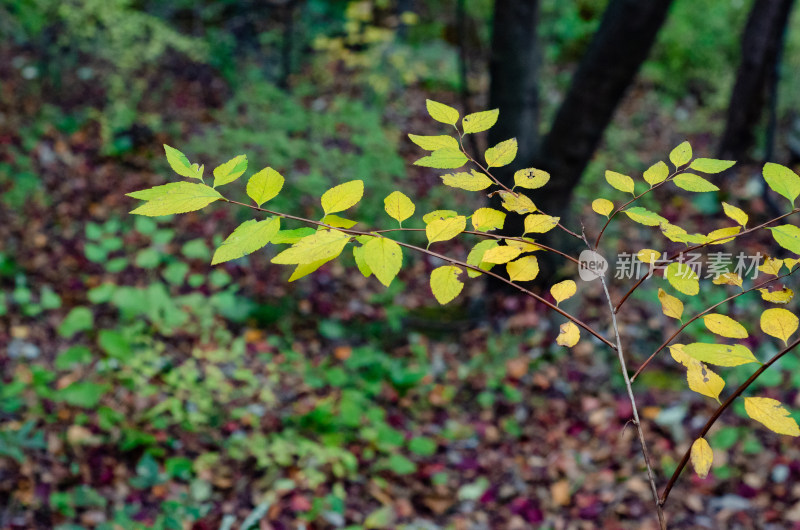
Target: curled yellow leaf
(568, 335)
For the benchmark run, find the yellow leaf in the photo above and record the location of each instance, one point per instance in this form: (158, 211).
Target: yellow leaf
(714, 237)
(619, 181)
(338, 222)
(772, 414)
(539, 223)
(671, 306)
(724, 326)
(384, 258)
(603, 206)
(711, 165)
(531, 178)
(479, 121)
(445, 283)
(779, 323)
(441, 112)
(502, 254)
(438, 214)
(445, 229)
(720, 354)
(647, 255)
(342, 197)
(702, 456)
(735, 213)
(434, 143)
(681, 155)
(563, 290)
(173, 198)
(264, 185)
(683, 278)
(568, 335)
(398, 206)
(656, 173)
(703, 381)
(523, 270)
(517, 203)
(474, 181)
(784, 296)
(525, 246)
(728, 278)
(790, 263)
(475, 257)
(321, 245)
(485, 219)
(363, 268)
(771, 266)
(502, 154)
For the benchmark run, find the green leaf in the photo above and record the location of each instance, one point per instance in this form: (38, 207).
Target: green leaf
(644, 216)
(720, 354)
(475, 257)
(398, 206)
(691, 182)
(446, 158)
(620, 181)
(384, 258)
(711, 165)
(480, 121)
(445, 283)
(343, 196)
(290, 237)
(363, 268)
(434, 143)
(82, 394)
(246, 239)
(531, 178)
(782, 180)
(176, 197)
(78, 319)
(321, 245)
(502, 154)
(230, 170)
(787, 236)
(681, 155)
(72, 357)
(474, 181)
(683, 278)
(445, 229)
(264, 185)
(441, 112)
(304, 269)
(179, 163)
(422, 446)
(656, 173)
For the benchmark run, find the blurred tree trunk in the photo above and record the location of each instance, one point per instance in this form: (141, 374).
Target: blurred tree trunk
(762, 42)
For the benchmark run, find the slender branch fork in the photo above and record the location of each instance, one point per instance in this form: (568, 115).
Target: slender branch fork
(714, 417)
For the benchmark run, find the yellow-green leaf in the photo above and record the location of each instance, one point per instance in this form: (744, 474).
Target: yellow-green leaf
(563, 290)
(434, 143)
(304, 269)
(264, 185)
(568, 335)
(475, 257)
(603, 206)
(787, 236)
(531, 178)
(711, 165)
(445, 229)
(724, 326)
(485, 219)
(644, 216)
(175, 197)
(779, 323)
(771, 266)
(720, 236)
(619, 181)
(179, 163)
(518, 203)
(647, 255)
(321, 245)
(398, 206)
(737, 214)
(784, 296)
(683, 278)
(447, 158)
(445, 283)
(479, 121)
(540, 223)
(678, 234)
(772, 414)
(502, 154)
(230, 170)
(246, 239)
(473, 181)
(702, 457)
(384, 258)
(501, 254)
(670, 306)
(363, 268)
(342, 197)
(720, 354)
(441, 112)
(656, 173)
(438, 214)
(692, 182)
(681, 154)
(524, 269)
(782, 180)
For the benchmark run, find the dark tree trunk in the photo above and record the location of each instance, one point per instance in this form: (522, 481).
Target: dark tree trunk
(756, 78)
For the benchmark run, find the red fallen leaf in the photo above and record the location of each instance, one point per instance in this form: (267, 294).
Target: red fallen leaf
(299, 503)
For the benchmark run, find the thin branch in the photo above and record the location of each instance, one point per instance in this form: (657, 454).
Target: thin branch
(737, 295)
(718, 413)
(460, 263)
